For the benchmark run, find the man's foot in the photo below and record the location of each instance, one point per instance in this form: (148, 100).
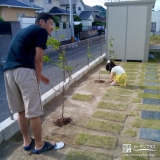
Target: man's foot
(27, 148)
(48, 146)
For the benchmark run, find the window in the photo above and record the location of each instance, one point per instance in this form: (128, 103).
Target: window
(23, 15)
(79, 8)
(18, 15)
(67, 8)
(48, 1)
(153, 26)
(31, 1)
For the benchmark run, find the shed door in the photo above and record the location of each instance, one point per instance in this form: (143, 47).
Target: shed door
(117, 19)
(136, 30)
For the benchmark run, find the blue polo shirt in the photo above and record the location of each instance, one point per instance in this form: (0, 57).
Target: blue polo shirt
(21, 51)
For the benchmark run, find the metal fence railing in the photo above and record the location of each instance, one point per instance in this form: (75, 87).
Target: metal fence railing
(76, 53)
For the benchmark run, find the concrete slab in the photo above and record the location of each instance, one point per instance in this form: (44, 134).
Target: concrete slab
(150, 115)
(1, 134)
(151, 77)
(151, 83)
(151, 72)
(151, 68)
(152, 91)
(151, 101)
(149, 134)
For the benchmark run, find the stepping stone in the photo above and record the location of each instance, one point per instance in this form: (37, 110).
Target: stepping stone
(151, 72)
(151, 101)
(151, 68)
(151, 77)
(151, 84)
(150, 115)
(150, 134)
(151, 91)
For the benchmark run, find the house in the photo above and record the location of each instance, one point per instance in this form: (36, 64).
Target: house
(155, 21)
(11, 10)
(45, 4)
(62, 14)
(85, 12)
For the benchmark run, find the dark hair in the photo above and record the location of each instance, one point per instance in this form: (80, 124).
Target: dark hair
(110, 65)
(44, 16)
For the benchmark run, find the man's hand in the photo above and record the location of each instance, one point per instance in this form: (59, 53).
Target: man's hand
(44, 79)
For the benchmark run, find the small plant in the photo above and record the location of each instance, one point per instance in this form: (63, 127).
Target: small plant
(62, 63)
(111, 53)
(89, 55)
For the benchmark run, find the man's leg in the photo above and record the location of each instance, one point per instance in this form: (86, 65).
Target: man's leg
(23, 123)
(36, 127)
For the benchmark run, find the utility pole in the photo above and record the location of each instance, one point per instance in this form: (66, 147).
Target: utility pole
(71, 20)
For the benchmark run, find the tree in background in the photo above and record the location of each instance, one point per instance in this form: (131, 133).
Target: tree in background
(77, 28)
(1, 19)
(56, 20)
(100, 8)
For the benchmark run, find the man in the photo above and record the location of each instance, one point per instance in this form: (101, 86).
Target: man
(22, 74)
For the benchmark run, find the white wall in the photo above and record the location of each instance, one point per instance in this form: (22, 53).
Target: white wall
(79, 4)
(64, 18)
(25, 22)
(156, 18)
(129, 25)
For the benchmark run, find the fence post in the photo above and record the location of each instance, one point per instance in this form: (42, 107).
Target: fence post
(11, 116)
(101, 43)
(64, 74)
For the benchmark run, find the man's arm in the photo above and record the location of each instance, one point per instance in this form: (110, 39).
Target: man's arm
(39, 62)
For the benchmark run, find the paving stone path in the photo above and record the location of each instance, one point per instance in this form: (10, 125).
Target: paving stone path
(118, 123)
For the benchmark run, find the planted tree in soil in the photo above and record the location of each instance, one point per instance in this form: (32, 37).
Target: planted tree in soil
(111, 53)
(63, 64)
(99, 80)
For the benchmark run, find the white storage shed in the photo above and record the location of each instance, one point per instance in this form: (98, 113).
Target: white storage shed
(129, 24)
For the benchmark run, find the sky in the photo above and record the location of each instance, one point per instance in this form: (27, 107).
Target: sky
(101, 3)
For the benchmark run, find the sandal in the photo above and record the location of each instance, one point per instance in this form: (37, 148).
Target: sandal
(30, 146)
(47, 146)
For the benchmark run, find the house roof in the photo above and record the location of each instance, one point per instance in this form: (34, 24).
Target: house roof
(66, 2)
(56, 10)
(99, 18)
(18, 4)
(86, 7)
(85, 14)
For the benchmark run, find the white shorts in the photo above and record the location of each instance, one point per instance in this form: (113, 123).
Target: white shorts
(23, 92)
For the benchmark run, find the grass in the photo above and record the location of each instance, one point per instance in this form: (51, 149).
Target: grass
(130, 82)
(149, 87)
(155, 39)
(104, 105)
(96, 141)
(83, 155)
(105, 126)
(149, 95)
(119, 91)
(148, 107)
(117, 98)
(110, 116)
(104, 72)
(130, 70)
(131, 74)
(149, 80)
(130, 132)
(133, 113)
(82, 97)
(146, 123)
(131, 78)
(136, 100)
